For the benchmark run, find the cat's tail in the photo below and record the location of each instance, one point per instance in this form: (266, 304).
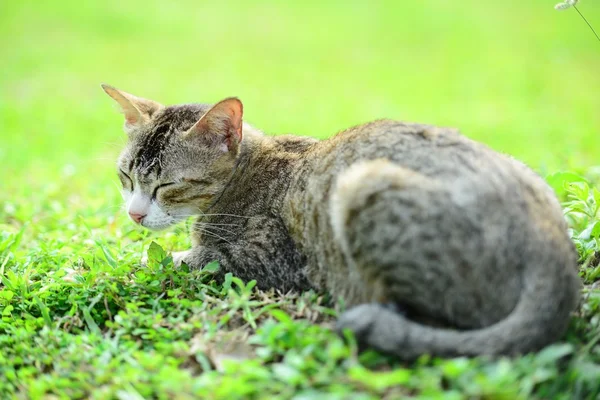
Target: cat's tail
(387, 256)
(537, 321)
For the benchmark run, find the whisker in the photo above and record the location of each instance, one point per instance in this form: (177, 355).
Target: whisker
(206, 223)
(216, 227)
(214, 235)
(213, 224)
(211, 215)
(227, 215)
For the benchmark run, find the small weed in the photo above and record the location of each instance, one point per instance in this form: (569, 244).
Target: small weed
(582, 210)
(101, 325)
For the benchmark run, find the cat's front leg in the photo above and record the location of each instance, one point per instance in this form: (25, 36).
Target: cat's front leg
(178, 258)
(196, 258)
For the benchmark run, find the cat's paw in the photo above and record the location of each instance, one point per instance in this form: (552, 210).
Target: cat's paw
(377, 326)
(360, 320)
(180, 257)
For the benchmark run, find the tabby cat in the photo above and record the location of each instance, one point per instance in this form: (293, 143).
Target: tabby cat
(437, 244)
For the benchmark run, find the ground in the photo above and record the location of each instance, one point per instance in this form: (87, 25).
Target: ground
(81, 318)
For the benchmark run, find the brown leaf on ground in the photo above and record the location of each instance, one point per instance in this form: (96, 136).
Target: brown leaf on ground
(224, 346)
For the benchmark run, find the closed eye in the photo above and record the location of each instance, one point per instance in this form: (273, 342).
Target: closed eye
(199, 182)
(127, 177)
(155, 191)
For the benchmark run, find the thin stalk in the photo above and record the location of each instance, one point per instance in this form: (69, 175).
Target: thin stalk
(586, 21)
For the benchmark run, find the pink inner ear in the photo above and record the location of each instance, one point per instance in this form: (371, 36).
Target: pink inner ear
(238, 131)
(132, 116)
(236, 119)
(221, 125)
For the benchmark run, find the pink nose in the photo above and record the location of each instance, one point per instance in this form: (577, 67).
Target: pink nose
(137, 218)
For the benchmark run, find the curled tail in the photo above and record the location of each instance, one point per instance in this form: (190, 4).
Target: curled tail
(496, 287)
(529, 327)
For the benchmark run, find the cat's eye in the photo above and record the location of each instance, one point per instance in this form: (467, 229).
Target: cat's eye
(155, 191)
(127, 178)
(198, 182)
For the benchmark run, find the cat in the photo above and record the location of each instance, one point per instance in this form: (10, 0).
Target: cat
(434, 242)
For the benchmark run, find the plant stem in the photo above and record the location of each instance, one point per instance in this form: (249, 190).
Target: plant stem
(586, 21)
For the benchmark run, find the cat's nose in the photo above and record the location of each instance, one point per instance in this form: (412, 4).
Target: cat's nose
(137, 218)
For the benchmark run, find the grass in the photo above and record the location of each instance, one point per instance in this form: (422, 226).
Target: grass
(82, 319)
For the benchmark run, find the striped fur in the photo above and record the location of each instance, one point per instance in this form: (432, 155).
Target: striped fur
(439, 244)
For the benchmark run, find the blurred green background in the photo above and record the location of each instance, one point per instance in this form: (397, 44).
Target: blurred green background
(517, 75)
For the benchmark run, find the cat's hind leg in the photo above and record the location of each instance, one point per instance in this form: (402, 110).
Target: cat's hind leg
(478, 270)
(375, 210)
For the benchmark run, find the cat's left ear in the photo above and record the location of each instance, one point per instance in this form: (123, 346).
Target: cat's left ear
(137, 110)
(221, 126)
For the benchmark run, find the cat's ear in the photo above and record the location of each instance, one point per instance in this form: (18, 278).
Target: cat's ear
(137, 111)
(221, 126)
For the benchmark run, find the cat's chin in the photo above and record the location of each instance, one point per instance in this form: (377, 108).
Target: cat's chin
(158, 227)
(163, 224)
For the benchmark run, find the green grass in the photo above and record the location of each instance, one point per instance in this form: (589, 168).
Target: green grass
(80, 316)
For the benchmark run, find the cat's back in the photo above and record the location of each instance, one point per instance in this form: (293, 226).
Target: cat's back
(428, 149)
(437, 152)
(474, 173)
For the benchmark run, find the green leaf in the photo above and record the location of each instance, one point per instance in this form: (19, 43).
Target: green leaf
(90, 321)
(559, 180)
(250, 285)
(7, 310)
(588, 232)
(108, 256)
(227, 282)
(18, 237)
(281, 316)
(595, 231)
(596, 197)
(238, 282)
(156, 254)
(44, 310)
(553, 353)
(578, 190)
(166, 261)
(212, 266)
(7, 294)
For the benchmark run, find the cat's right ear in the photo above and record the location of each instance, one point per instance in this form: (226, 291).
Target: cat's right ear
(137, 111)
(221, 126)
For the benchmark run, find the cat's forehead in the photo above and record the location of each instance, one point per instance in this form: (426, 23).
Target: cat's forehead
(150, 148)
(179, 117)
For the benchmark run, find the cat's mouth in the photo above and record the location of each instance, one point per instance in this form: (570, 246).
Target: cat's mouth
(163, 223)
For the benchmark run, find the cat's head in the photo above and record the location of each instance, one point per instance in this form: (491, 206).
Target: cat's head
(177, 158)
